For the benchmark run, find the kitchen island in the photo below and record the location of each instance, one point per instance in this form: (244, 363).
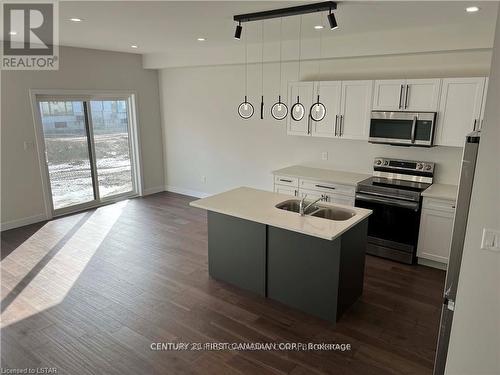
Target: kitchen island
(314, 262)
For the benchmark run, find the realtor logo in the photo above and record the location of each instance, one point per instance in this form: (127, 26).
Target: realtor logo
(30, 36)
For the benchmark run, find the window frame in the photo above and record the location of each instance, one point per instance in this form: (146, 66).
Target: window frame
(134, 143)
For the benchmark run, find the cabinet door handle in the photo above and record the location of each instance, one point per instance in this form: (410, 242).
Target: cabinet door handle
(401, 96)
(282, 179)
(325, 187)
(295, 192)
(407, 95)
(474, 127)
(335, 129)
(341, 125)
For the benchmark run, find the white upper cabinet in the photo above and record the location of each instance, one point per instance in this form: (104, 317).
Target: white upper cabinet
(407, 95)
(388, 95)
(330, 92)
(304, 90)
(459, 109)
(348, 106)
(355, 108)
(422, 95)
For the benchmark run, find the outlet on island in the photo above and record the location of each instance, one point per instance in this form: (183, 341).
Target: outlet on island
(324, 155)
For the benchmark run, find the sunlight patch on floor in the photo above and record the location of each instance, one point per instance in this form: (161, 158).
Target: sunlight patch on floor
(53, 281)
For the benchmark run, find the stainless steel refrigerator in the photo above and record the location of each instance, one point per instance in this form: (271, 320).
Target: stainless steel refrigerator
(457, 246)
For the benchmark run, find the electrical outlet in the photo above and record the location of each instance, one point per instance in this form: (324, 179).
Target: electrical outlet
(324, 155)
(491, 240)
(28, 145)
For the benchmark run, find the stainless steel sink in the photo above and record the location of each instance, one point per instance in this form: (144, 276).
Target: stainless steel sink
(324, 212)
(293, 205)
(333, 213)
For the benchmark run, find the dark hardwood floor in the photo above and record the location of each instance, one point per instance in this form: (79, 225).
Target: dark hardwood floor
(89, 294)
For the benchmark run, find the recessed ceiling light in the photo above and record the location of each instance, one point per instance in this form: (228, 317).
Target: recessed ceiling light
(201, 39)
(12, 32)
(471, 9)
(75, 19)
(134, 46)
(318, 27)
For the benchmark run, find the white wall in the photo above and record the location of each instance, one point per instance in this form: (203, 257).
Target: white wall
(21, 189)
(204, 135)
(475, 336)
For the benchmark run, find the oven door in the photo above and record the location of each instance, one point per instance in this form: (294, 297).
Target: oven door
(392, 227)
(403, 128)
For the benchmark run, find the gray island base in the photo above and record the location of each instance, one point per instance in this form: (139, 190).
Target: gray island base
(318, 276)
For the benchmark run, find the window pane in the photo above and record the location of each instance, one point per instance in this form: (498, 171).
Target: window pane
(67, 154)
(110, 125)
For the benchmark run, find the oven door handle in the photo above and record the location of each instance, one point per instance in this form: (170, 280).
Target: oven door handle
(389, 201)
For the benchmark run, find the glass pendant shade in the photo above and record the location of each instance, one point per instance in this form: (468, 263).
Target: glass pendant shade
(279, 110)
(317, 111)
(245, 109)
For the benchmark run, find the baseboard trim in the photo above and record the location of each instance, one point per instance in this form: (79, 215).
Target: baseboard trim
(153, 190)
(432, 263)
(191, 193)
(22, 222)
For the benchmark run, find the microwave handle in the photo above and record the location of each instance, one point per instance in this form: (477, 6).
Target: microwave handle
(401, 97)
(413, 129)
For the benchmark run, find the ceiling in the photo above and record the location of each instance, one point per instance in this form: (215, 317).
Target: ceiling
(170, 26)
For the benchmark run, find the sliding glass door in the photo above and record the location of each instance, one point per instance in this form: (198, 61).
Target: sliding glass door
(88, 150)
(112, 146)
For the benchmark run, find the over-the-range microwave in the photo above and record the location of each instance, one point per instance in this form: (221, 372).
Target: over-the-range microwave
(403, 128)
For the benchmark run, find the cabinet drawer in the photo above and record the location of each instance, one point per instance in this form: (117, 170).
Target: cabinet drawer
(285, 189)
(332, 198)
(327, 187)
(439, 204)
(342, 199)
(286, 180)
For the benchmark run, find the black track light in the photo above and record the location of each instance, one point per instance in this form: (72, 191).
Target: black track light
(237, 34)
(332, 21)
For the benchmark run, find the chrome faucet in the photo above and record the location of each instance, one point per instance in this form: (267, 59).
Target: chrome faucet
(302, 209)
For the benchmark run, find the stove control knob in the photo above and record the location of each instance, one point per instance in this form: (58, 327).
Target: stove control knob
(386, 162)
(378, 162)
(420, 166)
(428, 167)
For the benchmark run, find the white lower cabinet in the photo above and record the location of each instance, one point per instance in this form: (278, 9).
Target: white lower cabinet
(436, 227)
(326, 191)
(287, 190)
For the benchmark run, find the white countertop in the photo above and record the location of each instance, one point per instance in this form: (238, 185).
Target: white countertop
(259, 206)
(320, 174)
(441, 191)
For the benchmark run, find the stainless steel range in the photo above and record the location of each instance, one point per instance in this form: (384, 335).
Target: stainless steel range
(394, 195)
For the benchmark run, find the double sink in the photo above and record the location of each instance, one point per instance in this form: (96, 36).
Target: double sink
(324, 212)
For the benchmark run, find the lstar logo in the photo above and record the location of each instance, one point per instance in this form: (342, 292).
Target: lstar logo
(30, 36)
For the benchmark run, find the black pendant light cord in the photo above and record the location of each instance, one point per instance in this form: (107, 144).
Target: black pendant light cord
(319, 59)
(262, 72)
(300, 46)
(281, 31)
(246, 67)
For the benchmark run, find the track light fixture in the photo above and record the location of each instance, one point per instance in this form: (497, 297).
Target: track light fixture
(332, 21)
(237, 33)
(286, 12)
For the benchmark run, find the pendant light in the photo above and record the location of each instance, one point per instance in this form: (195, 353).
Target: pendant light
(245, 109)
(279, 110)
(297, 112)
(262, 70)
(318, 110)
